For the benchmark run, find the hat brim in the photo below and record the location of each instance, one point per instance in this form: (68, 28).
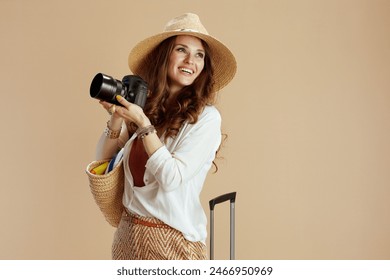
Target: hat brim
(225, 65)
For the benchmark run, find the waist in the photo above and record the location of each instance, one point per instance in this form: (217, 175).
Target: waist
(145, 221)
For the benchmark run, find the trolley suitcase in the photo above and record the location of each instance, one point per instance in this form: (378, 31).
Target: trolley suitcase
(222, 198)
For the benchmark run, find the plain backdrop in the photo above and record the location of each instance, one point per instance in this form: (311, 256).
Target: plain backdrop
(307, 118)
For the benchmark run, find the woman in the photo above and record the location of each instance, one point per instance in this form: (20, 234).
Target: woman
(169, 146)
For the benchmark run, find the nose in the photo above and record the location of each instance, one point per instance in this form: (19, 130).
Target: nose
(189, 59)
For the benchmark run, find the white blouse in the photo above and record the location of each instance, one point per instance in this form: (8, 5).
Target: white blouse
(175, 175)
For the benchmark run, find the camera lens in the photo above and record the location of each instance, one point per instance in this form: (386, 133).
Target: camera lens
(105, 88)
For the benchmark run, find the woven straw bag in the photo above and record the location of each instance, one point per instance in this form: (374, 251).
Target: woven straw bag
(107, 191)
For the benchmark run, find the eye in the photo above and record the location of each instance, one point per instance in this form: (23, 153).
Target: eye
(181, 49)
(200, 55)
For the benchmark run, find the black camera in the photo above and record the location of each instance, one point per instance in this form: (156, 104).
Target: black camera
(133, 88)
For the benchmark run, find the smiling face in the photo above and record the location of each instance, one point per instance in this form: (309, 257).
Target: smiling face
(186, 62)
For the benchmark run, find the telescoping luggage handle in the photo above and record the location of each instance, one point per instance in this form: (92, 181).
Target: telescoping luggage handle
(222, 198)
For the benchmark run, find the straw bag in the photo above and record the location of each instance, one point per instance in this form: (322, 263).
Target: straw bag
(107, 190)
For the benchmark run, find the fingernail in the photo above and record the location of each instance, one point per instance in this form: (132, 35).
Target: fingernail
(118, 97)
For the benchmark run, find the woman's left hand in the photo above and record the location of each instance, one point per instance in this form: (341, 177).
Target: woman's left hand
(131, 112)
(134, 113)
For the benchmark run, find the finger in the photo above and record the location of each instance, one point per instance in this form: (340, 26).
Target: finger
(105, 104)
(111, 110)
(122, 101)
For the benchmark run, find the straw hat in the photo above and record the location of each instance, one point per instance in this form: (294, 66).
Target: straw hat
(188, 24)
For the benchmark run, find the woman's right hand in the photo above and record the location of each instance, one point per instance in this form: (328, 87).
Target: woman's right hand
(116, 119)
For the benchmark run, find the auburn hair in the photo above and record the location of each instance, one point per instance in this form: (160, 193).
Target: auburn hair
(191, 99)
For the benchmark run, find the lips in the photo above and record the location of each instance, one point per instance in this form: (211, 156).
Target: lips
(186, 70)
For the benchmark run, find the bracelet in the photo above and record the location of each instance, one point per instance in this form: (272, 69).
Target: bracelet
(112, 134)
(145, 131)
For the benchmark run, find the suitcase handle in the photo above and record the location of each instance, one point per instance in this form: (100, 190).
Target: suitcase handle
(222, 198)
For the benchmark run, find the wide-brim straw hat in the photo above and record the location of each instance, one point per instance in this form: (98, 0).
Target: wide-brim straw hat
(225, 65)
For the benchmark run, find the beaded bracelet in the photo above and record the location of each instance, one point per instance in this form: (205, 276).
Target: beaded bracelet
(112, 134)
(144, 131)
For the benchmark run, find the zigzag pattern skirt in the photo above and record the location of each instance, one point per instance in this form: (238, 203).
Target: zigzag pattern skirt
(145, 238)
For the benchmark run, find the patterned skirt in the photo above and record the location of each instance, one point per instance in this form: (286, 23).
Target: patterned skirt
(145, 238)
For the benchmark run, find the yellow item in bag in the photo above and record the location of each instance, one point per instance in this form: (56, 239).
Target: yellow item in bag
(100, 169)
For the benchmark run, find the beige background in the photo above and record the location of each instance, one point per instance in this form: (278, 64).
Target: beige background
(307, 116)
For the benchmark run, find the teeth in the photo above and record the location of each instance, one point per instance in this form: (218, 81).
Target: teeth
(186, 70)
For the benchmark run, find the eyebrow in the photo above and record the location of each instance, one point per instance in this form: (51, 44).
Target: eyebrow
(199, 50)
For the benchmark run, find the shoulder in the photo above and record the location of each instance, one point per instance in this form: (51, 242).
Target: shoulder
(209, 113)
(208, 120)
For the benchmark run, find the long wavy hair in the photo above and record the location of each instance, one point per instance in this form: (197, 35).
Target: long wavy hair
(168, 115)
(191, 99)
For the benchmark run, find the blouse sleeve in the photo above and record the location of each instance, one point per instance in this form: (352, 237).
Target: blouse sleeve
(196, 148)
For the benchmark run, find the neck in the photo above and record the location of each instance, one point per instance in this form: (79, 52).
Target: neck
(172, 96)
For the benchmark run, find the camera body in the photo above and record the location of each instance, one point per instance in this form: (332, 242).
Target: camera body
(133, 88)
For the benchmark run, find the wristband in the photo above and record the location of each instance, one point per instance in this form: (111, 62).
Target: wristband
(112, 134)
(145, 131)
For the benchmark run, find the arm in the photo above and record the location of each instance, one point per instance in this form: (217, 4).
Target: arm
(194, 152)
(135, 114)
(107, 147)
(191, 154)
